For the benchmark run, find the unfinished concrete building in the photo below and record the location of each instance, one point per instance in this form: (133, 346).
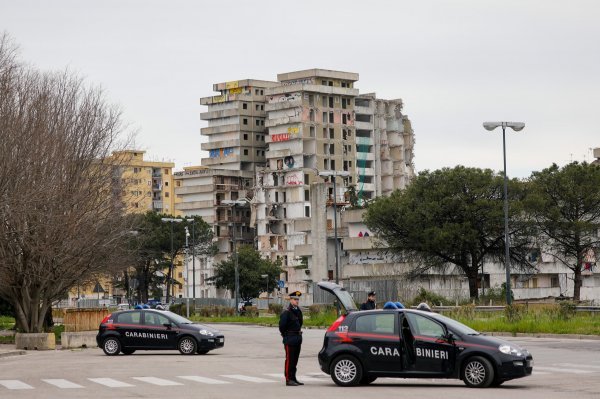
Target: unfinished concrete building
(236, 125)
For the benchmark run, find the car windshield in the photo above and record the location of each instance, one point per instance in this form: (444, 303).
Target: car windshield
(177, 319)
(456, 326)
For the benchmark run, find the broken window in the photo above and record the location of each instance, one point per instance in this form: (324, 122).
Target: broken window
(331, 133)
(245, 105)
(330, 102)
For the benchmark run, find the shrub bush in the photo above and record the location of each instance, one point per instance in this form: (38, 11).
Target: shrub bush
(275, 308)
(567, 310)
(181, 309)
(514, 313)
(430, 297)
(251, 311)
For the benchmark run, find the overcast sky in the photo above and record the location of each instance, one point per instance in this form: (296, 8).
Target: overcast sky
(454, 63)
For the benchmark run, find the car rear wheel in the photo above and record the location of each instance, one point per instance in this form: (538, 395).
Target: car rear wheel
(478, 372)
(127, 351)
(187, 346)
(111, 346)
(346, 371)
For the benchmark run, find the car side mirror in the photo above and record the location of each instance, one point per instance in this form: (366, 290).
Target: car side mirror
(450, 337)
(168, 325)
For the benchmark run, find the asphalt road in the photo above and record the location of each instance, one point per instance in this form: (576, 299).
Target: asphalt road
(251, 366)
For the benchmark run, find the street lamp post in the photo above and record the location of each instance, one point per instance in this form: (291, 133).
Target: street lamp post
(266, 276)
(334, 174)
(517, 127)
(171, 220)
(235, 254)
(193, 221)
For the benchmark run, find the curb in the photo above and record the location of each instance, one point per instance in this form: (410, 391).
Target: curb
(541, 335)
(12, 353)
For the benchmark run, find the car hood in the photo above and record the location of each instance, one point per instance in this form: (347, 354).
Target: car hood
(199, 327)
(486, 340)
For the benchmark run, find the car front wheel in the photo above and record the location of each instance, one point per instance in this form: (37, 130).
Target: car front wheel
(111, 346)
(478, 372)
(187, 346)
(346, 371)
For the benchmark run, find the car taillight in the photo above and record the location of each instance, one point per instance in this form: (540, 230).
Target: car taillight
(336, 324)
(105, 320)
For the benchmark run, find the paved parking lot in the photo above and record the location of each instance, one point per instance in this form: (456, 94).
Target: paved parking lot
(251, 364)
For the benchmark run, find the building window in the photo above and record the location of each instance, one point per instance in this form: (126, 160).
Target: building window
(284, 198)
(258, 137)
(245, 136)
(331, 117)
(306, 195)
(331, 133)
(330, 102)
(332, 149)
(245, 105)
(256, 92)
(166, 194)
(276, 196)
(245, 121)
(166, 184)
(307, 211)
(306, 178)
(257, 152)
(312, 131)
(333, 164)
(257, 122)
(324, 117)
(166, 171)
(262, 92)
(246, 152)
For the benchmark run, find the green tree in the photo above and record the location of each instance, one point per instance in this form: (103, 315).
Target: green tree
(251, 268)
(151, 241)
(452, 217)
(565, 204)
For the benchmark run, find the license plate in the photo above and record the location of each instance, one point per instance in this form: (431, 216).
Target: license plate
(529, 363)
(220, 340)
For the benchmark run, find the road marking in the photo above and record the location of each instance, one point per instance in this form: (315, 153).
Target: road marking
(247, 378)
(563, 370)
(157, 381)
(590, 366)
(111, 383)
(64, 384)
(301, 378)
(15, 384)
(203, 380)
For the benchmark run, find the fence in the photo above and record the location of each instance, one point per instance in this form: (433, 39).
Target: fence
(76, 320)
(85, 303)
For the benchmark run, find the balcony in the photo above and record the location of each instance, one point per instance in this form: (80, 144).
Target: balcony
(234, 127)
(220, 144)
(341, 232)
(283, 121)
(219, 161)
(276, 106)
(363, 110)
(363, 125)
(358, 243)
(205, 188)
(303, 250)
(304, 224)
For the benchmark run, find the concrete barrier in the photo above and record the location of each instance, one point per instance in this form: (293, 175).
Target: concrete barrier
(82, 339)
(35, 341)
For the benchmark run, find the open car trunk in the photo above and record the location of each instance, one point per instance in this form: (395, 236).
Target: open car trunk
(343, 296)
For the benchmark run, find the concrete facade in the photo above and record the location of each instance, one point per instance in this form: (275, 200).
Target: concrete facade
(201, 192)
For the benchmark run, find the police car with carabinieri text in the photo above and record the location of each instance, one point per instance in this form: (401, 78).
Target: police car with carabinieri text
(149, 329)
(363, 345)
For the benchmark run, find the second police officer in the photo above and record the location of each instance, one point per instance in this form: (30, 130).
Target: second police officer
(370, 303)
(290, 324)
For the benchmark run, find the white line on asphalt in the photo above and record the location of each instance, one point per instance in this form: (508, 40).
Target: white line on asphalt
(563, 370)
(111, 383)
(157, 381)
(247, 378)
(301, 378)
(64, 384)
(590, 366)
(15, 384)
(203, 380)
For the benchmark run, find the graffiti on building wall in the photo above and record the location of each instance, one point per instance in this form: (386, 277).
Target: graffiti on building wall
(284, 97)
(294, 179)
(237, 90)
(305, 81)
(221, 152)
(219, 99)
(232, 85)
(292, 133)
(370, 257)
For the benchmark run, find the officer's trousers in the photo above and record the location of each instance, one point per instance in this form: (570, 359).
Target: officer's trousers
(292, 353)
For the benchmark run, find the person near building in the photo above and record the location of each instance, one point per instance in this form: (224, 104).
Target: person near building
(290, 325)
(370, 303)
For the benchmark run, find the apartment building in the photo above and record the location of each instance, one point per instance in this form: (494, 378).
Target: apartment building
(236, 125)
(222, 198)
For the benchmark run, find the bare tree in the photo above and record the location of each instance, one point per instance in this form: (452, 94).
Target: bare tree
(61, 221)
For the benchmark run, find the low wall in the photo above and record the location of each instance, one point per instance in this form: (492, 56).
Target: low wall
(82, 339)
(35, 341)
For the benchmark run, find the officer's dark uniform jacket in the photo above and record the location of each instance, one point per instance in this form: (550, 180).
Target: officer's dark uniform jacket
(290, 324)
(369, 305)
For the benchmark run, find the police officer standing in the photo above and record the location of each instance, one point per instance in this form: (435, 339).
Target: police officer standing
(370, 303)
(290, 324)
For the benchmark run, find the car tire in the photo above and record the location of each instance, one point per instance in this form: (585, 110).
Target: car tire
(346, 371)
(477, 372)
(367, 379)
(111, 346)
(202, 351)
(127, 351)
(187, 346)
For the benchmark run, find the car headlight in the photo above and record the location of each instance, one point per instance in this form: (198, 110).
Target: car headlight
(509, 350)
(206, 332)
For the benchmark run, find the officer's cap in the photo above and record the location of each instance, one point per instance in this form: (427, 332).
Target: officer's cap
(371, 293)
(295, 295)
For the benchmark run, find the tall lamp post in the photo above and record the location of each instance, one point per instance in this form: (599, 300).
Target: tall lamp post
(266, 276)
(170, 220)
(334, 174)
(234, 204)
(193, 222)
(517, 127)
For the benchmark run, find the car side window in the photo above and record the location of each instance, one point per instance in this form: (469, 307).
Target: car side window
(424, 326)
(130, 318)
(154, 319)
(376, 324)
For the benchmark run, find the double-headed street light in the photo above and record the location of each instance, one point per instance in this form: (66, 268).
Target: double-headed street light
(234, 204)
(334, 174)
(517, 127)
(170, 220)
